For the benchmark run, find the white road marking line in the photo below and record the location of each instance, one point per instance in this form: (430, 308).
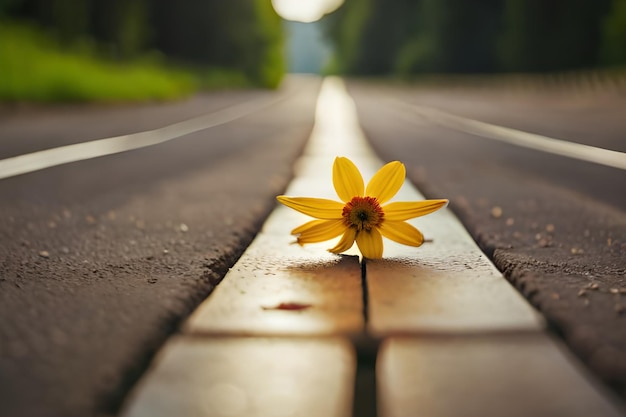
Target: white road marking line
(520, 138)
(47, 158)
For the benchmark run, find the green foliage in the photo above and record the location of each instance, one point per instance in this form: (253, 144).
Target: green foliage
(551, 35)
(269, 64)
(235, 39)
(368, 34)
(121, 28)
(345, 27)
(244, 35)
(132, 34)
(405, 37)
(6, 5)
(423, 50)
(220, 78)
(34, 68)
(417, 55)
(613, 50)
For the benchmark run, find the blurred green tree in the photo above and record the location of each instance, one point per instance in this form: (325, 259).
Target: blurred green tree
(368, 34)
(408, 36)
(122, 26)
(241, 35)
(451, 36)
(6, 5)
(613, 50)
(473, 36)
(551, 35)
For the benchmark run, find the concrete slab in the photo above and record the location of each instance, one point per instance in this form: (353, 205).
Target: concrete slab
(247, 377)
(277, 288)
(446, 285)
(485, 376)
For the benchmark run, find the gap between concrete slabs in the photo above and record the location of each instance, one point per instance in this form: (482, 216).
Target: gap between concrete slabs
(241, 354)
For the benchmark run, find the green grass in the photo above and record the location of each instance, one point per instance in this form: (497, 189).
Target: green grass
(33, 68)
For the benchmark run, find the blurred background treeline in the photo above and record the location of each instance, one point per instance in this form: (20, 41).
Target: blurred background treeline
(53, 50)
(404, 37)
(133, 49)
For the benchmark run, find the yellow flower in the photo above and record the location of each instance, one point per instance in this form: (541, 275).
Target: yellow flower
(361, 215)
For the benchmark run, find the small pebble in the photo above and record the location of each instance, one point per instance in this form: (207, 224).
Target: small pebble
(183, 227)
(550, 228)
(44, 254)
(510, 221)
(461, 201)
(496, 212)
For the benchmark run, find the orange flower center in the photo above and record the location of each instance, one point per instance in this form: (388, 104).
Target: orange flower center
(364, 213)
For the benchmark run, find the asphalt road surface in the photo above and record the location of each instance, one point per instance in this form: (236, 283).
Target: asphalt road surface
(101, 259)
(86, 248)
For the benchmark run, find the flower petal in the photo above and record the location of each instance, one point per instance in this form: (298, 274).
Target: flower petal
(347, 179)
(319, 231)
(370, 243)
(402, 232)
(315, 207)
(386, 182)
(346, 242)
(407, 210)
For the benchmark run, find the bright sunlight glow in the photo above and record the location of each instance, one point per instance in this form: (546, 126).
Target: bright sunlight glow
(305, 10)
